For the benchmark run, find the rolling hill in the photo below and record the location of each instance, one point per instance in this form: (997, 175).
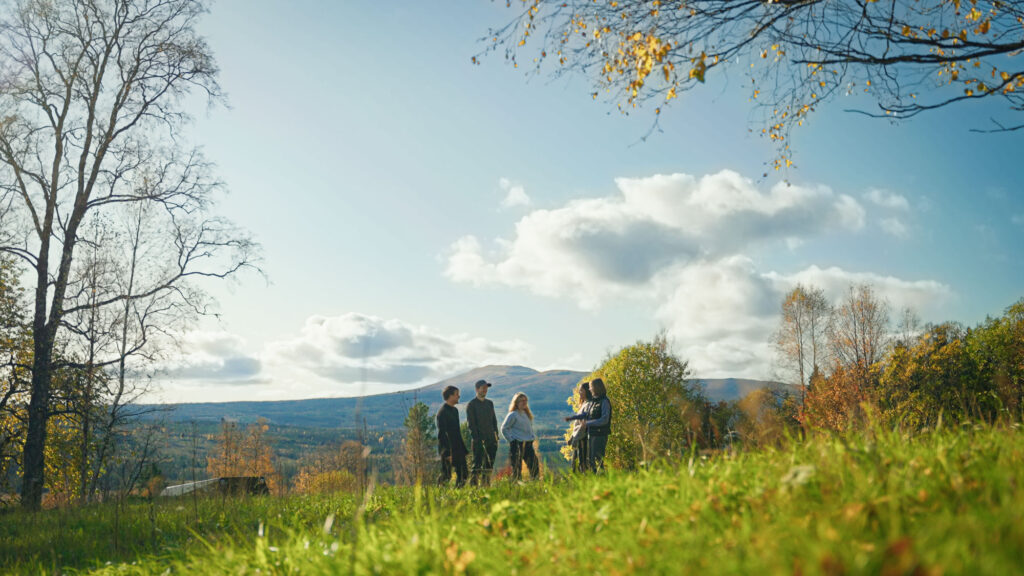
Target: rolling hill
(548, 392)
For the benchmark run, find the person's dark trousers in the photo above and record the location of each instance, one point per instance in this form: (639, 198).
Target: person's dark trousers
(597, 446)
(458, 463)
(484, 454)
(581, 456)
(518, 452)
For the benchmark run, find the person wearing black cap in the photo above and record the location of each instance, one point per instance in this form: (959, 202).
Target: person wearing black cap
(449, 439)
(483, 425)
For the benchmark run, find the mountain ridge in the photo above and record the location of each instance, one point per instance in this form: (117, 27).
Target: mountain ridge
(548, 391)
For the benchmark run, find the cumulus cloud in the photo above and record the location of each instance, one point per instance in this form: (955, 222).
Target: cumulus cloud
(515, 195)
(217, 356)
(342, 355)
(687, 246)
(720, 315)
(340, 351)
(927, 296)
(599, 248)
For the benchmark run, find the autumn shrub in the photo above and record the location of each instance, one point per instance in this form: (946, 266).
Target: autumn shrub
(766, 418)
(840, 401)
(656, 408)
(312, 481)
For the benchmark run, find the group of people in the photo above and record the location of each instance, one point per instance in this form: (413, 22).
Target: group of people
(589, 437)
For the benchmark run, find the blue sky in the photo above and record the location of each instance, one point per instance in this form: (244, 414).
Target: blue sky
(421, 216)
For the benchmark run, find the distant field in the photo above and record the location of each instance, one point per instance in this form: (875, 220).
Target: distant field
(184, 447)
(949, 502)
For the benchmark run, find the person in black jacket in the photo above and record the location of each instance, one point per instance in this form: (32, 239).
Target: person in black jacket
(598, 424)
(449, 439)
(483, 425)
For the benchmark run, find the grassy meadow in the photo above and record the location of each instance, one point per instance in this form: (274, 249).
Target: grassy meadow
(946, 502)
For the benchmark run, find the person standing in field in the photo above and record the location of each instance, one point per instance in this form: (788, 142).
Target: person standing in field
(598, 424)
(578, 437)
(449, 439)
(483, 425)
(518, 430)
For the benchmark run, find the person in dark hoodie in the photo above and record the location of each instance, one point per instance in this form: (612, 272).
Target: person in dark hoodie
(483, 425)
(449, 439)
(598, 424)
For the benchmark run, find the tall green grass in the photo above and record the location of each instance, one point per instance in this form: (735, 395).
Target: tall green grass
(948, 502)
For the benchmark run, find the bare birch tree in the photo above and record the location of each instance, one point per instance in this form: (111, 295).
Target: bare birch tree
(801, 340)
(859, 331)
(92, 94)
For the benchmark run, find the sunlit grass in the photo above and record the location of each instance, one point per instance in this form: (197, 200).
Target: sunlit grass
(947, 502)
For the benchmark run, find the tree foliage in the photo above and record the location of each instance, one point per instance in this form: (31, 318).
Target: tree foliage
(15, 359)
(247, 452)
(836, 401)
(766, 417)
(656, 408)
(908, 56)
(933, 376)
(415, 460)
(997, 349)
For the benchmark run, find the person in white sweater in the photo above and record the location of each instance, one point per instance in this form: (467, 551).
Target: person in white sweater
(518, 430)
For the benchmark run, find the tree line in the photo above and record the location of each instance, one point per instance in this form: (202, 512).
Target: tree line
(846, 366)
(908, 374)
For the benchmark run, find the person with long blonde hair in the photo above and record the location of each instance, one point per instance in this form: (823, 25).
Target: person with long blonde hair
(518, 430)
(578, 437)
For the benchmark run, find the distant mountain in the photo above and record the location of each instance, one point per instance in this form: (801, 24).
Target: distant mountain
(718, 389)
(547, 391)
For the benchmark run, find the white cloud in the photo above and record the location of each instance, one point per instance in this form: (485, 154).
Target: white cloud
(720, 314)
(212, 356)
(343, 355)
(515, 195)
(599, 248)
(894, 227)
(929, 297)
(887, 199)
(352, 349)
